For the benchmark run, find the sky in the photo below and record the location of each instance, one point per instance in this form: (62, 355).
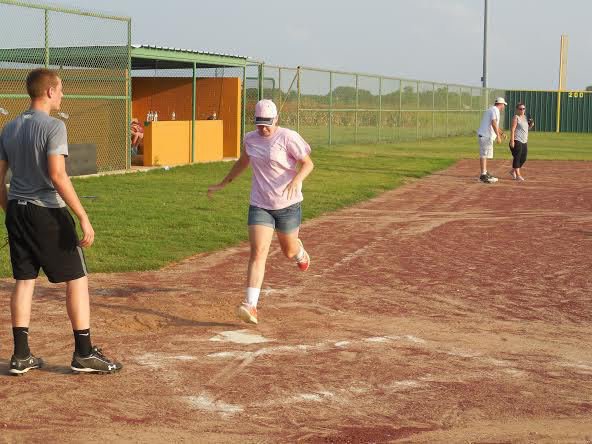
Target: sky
(436, 40)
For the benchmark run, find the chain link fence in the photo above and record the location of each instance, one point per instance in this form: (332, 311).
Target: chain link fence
(332, 107)
(91, 53)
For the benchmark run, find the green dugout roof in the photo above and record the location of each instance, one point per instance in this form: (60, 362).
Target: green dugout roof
(151, 57)
(113, 57)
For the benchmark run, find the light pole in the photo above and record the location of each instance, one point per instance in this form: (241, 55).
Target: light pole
(484, 77)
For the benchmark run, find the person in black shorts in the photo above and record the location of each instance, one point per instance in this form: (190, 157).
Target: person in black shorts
(41, 230)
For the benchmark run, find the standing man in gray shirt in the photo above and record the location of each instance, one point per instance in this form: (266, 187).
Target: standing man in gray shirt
(41, 230)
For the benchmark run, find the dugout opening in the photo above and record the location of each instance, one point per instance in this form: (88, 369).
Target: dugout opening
(190, 104)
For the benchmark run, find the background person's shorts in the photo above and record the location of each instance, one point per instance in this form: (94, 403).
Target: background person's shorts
(41, 237)
(486, 147)
(285, 220)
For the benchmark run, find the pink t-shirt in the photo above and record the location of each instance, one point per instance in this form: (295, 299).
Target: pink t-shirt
(274, 161)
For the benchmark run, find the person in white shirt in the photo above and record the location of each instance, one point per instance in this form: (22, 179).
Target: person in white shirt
(488, 132)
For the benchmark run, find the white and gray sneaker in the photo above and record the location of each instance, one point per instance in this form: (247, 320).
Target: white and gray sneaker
(96, 362)
(492, 179)
(486, 178)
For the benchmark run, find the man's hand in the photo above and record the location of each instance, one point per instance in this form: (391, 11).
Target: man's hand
(511, 144)
(88, 233)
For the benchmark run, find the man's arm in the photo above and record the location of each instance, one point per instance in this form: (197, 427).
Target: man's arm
(56, 165)
(497, 130)
(3, 193)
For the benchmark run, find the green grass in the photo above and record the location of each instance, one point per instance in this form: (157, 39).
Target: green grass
(541, 146)
(146, 220)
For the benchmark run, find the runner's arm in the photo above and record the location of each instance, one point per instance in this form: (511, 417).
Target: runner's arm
(239, 166)
(306, 167)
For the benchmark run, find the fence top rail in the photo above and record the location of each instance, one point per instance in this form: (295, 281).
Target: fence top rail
(66, 10)
(550, 90)
(363, 74)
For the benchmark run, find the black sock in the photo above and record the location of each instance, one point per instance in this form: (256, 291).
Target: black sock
(21, 342)
(82, 342)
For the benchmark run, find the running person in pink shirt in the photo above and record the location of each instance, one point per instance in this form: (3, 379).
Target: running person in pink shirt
(276, 195)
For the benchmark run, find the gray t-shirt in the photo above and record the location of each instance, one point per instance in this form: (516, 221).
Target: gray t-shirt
(25, 143)
(521, 132)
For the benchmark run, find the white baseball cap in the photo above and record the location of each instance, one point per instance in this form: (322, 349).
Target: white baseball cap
(500, 100)
(265, 112)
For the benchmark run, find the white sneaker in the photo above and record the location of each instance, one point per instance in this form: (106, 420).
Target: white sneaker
(303, 263)
(487, 179)
(520, 178)
(492, 179)
(247, 313)
(513, 174)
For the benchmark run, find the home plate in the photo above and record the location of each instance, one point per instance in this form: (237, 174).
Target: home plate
(240, 337)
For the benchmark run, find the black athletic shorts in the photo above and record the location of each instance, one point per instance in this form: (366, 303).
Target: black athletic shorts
(41, 237)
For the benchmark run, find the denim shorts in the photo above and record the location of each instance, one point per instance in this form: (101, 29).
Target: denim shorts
(285, 220)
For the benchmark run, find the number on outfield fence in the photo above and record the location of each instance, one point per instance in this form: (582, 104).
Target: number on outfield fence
(576, 94)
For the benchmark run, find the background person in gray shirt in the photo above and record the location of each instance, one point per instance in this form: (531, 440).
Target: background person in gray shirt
(41, 230)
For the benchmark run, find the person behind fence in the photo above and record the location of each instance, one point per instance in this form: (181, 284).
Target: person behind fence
(518, 140)
(488, 132)
(41, 231)
(137, 132)
(280, 159)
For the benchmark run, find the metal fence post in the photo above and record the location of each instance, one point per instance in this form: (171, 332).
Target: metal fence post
(379, 107)
(260, 81)
(356, 112)
(433, 108)
(417, 115)
(46, 37)
(280, 102)
(400, 107)
(193, 91)
(298, 102)
(128, 107)
(244, 113)
(447, 106)
(330, 107)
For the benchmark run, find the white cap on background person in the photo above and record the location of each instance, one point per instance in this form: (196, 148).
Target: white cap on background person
(500, 100)
(265, 113)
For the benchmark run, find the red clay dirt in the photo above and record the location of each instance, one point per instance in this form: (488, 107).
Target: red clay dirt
(444, 311)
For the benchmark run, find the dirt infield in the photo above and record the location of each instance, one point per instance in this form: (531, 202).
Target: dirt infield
(444, 311)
